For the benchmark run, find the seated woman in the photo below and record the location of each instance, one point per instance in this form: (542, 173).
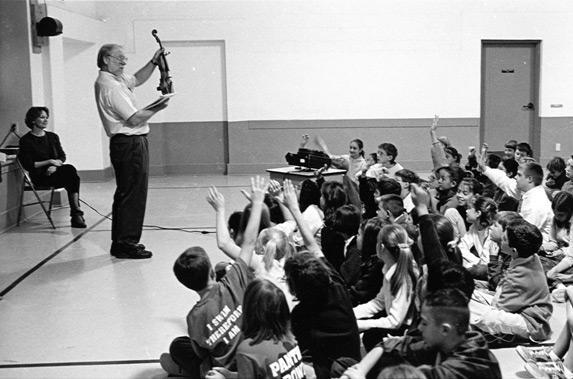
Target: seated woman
(42, 156)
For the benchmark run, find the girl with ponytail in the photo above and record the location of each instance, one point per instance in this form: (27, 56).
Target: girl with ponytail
(391, 311)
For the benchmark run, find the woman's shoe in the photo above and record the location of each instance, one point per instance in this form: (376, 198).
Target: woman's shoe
(78, 221)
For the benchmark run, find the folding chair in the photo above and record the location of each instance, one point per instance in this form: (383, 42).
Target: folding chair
(27, 186)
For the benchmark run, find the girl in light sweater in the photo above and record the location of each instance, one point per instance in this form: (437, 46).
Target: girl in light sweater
(392, 310)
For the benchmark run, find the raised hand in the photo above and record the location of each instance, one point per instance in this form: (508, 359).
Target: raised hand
(420, 197)
(258, 189)
(482, 158)
(290, 199)
(216, 199)
(435, 122)
(275, 188)
(304, 140)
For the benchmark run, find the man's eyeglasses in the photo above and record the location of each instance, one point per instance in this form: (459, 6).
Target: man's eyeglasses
(120, 59)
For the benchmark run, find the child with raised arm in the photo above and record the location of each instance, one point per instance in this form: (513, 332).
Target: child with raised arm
(322, 321)
(272, 248)
(535, 207)
(353, 162)
(448, 349)
(214, 321)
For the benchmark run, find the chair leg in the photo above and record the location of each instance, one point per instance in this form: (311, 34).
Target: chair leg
(43, 207)
(51, 201)
(21, 204)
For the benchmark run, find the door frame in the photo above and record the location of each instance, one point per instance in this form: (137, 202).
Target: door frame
(535, 126)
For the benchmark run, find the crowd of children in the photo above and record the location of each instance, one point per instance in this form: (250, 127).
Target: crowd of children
(386, 274)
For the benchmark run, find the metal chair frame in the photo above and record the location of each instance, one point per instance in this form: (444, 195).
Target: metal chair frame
(28, 186)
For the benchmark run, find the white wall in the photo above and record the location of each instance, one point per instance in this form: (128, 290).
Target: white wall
(367, 59)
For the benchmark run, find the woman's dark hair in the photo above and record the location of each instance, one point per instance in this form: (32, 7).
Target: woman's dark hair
(488, 209)
(266, 315)
(563, 202)
(374, 157)
(309, 194)
(333, 196)
(510, 166)
(308, 278)
(360, 146)
(33, 113)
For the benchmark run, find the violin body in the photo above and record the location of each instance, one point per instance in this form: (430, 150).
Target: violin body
(165, 83)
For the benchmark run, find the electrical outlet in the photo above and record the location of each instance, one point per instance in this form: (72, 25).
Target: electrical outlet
(557, 147)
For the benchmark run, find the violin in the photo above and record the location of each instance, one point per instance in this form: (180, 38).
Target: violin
(165, 83)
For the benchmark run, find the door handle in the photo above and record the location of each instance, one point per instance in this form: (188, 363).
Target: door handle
(528, 107)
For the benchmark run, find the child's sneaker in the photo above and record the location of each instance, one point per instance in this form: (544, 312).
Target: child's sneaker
(536, 354)
(170, 367)
(546, 370)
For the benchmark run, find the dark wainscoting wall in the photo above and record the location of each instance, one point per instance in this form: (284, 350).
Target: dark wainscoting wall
(250, 147)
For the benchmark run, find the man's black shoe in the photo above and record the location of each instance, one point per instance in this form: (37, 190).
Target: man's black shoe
(131, 253)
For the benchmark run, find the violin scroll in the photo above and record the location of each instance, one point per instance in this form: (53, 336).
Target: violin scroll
(165, 83)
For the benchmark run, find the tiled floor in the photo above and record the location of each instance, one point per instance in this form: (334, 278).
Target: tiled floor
(69, 310)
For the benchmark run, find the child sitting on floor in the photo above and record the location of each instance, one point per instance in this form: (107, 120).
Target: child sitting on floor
(556, 176)
(521, 306)
(499, 258)
(406, 177)
(392, 310)
(476, 243)
(468, 190)
(269, 350)
(568, 186)
(214, 321)
(448, 349)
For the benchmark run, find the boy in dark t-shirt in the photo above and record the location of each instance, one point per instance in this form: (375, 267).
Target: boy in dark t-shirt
(214, 322)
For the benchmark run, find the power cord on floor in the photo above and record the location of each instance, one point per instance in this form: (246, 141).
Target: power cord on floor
(155, 227)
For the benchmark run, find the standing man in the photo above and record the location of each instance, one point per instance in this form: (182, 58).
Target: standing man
(127, 127)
